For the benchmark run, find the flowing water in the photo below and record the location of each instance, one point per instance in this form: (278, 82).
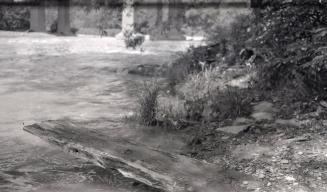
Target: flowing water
(46, 77)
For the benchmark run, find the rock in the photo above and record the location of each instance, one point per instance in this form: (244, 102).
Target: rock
(284, 161)
(261, 176)
(264, 107)
(242, 121)
(263, 111)
(245, 183)
(289, 178)
(253, 186)
(250, 151)
(236, 129)
(323, 103)
(288, 122)
(261, 173)
(259, 116)
(149, 70)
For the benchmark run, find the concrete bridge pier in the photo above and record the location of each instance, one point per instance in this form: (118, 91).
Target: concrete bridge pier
(37, 17)
(63, 27)
(166, 24)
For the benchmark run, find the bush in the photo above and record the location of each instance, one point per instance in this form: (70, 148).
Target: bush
(231, 103)
(54, 27)
(171, 112)
(289, 37)
(224, 46)
(133, 40)
(14, 18)
(208, 97)
(148, 103)
(233, 40)
(195, 60)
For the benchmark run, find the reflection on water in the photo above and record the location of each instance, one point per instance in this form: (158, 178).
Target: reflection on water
(44, 77)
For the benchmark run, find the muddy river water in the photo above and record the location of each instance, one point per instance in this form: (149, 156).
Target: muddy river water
(47, 77)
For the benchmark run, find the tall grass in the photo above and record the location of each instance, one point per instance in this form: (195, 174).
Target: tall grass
(148, 103)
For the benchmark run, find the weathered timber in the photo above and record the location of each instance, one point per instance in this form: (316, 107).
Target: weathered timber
(158, 169)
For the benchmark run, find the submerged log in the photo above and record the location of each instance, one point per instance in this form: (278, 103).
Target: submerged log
(158, 169)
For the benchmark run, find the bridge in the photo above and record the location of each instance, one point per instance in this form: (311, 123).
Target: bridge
(166, 11)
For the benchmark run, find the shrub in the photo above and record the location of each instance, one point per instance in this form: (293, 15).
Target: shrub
(14, 18)
(133, 40)
(208, 98)
(195, 60)
(180, 68)
(231, 103)
(148, 103)
(234, 39)
(171, 112)
(54, 27)
(224, 46)
(74, 30)
(289, 37)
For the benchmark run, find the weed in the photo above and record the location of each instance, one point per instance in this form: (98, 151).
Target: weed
(133, 40)
(208, 97)
(148, 103)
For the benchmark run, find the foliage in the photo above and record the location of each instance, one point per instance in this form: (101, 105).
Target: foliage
(208, 97)
(195, 60)
(289, 37)
(224, 46)
(234, 39)
(231, 103)
(133, 40)
(171, 112)
(14, 18)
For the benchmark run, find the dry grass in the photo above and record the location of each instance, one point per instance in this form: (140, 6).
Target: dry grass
(148, 103)
(208, 96)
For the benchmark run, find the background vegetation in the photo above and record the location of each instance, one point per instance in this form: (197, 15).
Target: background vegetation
(14, 18)
(279, 50)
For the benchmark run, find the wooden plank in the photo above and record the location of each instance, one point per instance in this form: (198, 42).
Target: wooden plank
(158, 169)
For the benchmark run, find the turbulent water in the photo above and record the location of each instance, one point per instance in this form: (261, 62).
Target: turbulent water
(46, 77)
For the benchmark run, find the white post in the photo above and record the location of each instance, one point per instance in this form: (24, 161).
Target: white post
(128, 16)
